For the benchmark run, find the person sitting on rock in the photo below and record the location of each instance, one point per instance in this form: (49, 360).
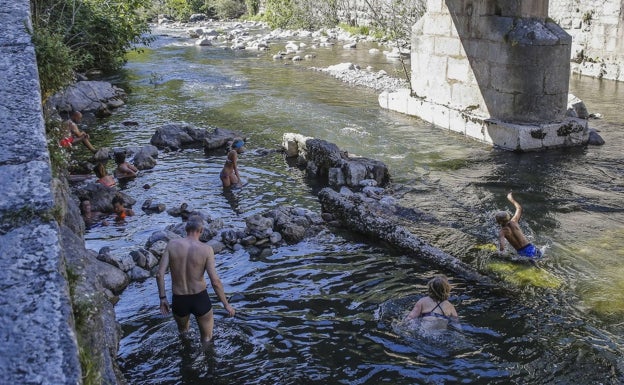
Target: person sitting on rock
(120, 210)
(73, 134)
(124, 170)
(229, 174)
(103, 177)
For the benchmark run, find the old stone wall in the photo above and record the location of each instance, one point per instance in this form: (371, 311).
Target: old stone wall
(494, 70)
(485, 58)
(596, 27)
(597, 30)
(38, 342)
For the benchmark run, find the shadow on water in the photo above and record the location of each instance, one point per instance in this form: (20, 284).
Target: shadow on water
(327, 310)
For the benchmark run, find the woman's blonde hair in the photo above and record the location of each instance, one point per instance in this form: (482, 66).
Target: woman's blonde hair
(439, 288)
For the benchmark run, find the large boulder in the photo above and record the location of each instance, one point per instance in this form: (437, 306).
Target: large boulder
(122, 262)
(175, 136)
(594, 138)
(145, 157)
(219, 138)
(294, 223)
(325, 161)
(101, 197)
(259, 226)
(88, 96)
(576, 108)
(160, 236)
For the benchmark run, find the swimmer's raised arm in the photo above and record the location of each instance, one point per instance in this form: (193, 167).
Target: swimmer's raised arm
(518, 213)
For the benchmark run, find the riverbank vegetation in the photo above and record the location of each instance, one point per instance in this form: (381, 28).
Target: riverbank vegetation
(72, 36)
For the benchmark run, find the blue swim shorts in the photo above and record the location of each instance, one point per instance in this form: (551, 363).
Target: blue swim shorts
(530, 251)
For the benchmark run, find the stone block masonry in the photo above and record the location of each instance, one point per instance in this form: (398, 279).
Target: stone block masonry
(38, 344)
(496, 71)
(597, 30)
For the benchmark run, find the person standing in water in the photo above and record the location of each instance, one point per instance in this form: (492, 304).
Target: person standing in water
(229, 174)
(189, 258)
(510, 231)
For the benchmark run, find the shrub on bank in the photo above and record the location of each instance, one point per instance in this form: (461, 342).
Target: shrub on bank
(81, 35)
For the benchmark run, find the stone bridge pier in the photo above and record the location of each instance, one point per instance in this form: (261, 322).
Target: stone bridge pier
(494, 70)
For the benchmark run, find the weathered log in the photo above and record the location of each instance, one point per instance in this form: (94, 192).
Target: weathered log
(368, 216)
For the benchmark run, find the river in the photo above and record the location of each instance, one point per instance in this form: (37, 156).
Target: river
(326, 310)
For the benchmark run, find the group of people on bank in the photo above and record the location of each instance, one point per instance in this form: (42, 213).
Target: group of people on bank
(124, 171)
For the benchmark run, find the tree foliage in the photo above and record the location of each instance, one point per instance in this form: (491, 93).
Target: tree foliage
(306, 14)
(396, 17)
(221, 9)
(79, 35)
(229, 9)
(55, 61)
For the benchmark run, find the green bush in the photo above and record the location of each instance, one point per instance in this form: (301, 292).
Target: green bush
(55, 61)
(178, 9)
(279, 13)
(229, 9)
(84, 34)
(252, 7)
(59, 156)
(306, 14)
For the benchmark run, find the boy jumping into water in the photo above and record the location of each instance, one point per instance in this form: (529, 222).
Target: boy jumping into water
(511, 232)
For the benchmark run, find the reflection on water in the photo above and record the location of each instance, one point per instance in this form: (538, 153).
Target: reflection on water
(328, 310)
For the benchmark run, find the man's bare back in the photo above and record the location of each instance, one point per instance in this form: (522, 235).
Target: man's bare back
(512, 233)
(510, 230)
(188, 260)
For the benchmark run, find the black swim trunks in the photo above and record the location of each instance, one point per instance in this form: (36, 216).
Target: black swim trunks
(198, 304)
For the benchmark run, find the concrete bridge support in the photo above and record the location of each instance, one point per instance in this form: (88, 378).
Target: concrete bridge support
(494, 70)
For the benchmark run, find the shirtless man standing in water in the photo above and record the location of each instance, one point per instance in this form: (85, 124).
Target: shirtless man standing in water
(189, 258)
(510, 231)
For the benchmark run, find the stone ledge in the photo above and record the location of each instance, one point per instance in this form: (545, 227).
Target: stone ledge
(19, 99)
(25, 188)
(38, 341)
(506, 135)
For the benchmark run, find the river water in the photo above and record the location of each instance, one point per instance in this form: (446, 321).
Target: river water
(327, 310)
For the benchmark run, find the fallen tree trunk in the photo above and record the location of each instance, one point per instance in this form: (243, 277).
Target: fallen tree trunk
(369, 217)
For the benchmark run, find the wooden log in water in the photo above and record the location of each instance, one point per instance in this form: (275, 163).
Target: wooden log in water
(370, 217)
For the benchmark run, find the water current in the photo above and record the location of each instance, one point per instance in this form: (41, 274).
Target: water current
(327, 310)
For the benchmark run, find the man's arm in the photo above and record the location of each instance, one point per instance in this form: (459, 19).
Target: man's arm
(518, 212)
(73, 127)
(215, 281)
(501, 240)
(160, 281)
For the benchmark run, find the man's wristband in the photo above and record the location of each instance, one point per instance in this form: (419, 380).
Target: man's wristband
(163, 296)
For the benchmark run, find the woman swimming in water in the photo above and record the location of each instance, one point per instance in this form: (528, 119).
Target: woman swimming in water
(436, 303)
(229, 174)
